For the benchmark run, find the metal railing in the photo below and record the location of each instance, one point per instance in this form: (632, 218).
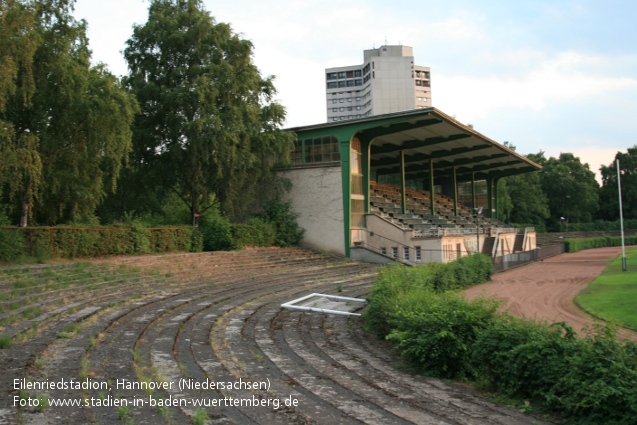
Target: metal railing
(508, 230)
(447, 231)
(505, 262)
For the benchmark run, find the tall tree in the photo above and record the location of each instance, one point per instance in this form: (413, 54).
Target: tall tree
(608, 194)
(529, 204)
(571, 189)
(209, 128)
(73, 136)
(18, 42)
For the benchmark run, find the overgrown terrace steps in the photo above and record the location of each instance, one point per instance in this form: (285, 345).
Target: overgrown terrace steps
(217, 316)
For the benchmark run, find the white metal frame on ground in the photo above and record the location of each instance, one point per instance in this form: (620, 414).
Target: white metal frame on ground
(291, 304)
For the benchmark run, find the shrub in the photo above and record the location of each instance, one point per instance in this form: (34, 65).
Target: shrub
(397, 280)
(589, 380)
(217, 235)
(288, 231)
(600, 383)
(12, 245)
(393, 282)
(435, 331)
(523, 358)
(68, 242)
(256, 232)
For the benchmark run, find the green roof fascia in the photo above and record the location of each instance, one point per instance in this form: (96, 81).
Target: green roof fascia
(364, 125)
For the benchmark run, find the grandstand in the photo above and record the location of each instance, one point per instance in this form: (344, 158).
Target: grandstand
(390, 187)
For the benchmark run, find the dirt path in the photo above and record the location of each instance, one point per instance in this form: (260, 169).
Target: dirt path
(547, 289)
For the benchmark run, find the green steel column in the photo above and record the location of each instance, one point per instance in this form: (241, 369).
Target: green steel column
(473, 190)
(495, 197)
(403, 198)
(489, 196)
(455, 192)
(347, 196)
(431, 187)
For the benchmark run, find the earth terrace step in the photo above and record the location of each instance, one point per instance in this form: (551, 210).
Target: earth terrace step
(241, 346)
(326, 351)
(379, 366)
(268, 290)
(119, 294)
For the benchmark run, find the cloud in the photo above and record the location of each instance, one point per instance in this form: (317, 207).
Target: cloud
(594, 156)
(568, 76)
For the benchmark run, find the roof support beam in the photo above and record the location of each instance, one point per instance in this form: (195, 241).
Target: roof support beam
(431, 188)
(387, 129)
(414, 144)
(506, 173)
(421, 157)
(455, 193)
(415, 168)
(403, 197)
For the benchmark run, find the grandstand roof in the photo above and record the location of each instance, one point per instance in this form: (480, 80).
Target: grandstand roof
(423, 135)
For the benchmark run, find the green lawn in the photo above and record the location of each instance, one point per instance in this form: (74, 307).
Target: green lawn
(613, 295)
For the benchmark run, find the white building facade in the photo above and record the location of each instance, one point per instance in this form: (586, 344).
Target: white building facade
(387, 81)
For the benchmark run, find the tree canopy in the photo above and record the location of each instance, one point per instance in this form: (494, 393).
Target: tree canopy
(571, 189)
(528, 202)
(69, 121)
(209, 127)
(608, 195)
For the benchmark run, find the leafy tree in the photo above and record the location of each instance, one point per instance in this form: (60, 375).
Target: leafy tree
(608, 195)
(18, 43)
(505, 203)
(571, 189)
(528, 203)
(71, 123)
(209, 129)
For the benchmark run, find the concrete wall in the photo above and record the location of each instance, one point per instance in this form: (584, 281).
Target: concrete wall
(506, 244)
(388, 236)
(317, 196)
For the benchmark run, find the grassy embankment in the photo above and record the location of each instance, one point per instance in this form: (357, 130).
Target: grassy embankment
(613, 295)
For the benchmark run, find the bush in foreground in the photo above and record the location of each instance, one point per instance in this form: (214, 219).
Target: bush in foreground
(396, 281)
(436, 331)
(588, 379)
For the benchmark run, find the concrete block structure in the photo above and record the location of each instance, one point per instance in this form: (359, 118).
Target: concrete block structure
(387, 81)
(389, 187)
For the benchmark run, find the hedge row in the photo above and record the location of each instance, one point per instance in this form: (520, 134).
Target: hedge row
(588, 379)
(578, 244)
(602, 225)
(67, 242)
(276, 227)
(396, 280)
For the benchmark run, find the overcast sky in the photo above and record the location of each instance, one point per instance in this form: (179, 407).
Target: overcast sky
(550, 75)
